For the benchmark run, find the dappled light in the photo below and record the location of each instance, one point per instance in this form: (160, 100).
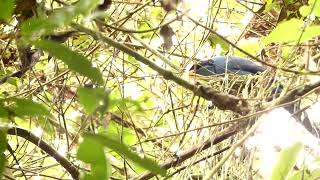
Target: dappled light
(279, 130)
(167, 89)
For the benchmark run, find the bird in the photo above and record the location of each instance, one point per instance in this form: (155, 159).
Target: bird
(226, 64)
(221, 65)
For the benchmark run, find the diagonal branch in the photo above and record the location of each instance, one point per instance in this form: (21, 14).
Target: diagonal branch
(72, 169)
(225, 134)
(221, 100)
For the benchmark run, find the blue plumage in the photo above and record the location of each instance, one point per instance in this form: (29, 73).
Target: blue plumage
(231, 65)
(219, 64)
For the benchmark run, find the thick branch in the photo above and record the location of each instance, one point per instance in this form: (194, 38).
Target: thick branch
(293, 94)
(220, 100)
(225, 134)
(46, 148)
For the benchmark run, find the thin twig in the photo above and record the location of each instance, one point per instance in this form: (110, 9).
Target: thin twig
(26, 134)
(221, 100)
(225, 134)
(232, 149)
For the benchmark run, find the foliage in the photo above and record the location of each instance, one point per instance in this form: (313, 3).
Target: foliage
(119, 148)
(75, 61)
(295, 31)
(113, 116)
(35, 27)
(91, 151)
(21, 107)
(7, 9)
(92, 99)
(3, 146)
(286, 161)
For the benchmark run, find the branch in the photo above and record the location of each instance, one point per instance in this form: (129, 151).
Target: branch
(225, 134)
(46, 148)
(248, 54)
(198, 161)
(232, 150)
(219, 99)
(122, 122)
(291, 96)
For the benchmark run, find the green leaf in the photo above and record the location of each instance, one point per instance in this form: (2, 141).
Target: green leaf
(13, 81)
(74, 60)
(315, 174)
(305, 10)
(92, 98)
(3, 147)
(268, 6)
(310, 32)
(6, 9)
(35, 27)
(2, 163)
(286, 160)
(117, 131)
(122, 149)
(302, 174)
(3, 111)
(305, 175)
(214, 40)
(3, 140)
(285, 31)
(251, 47)
(145, 25)
(290, 31)
(126, 104)
(27, 107)
(312, 7)
(91, 152)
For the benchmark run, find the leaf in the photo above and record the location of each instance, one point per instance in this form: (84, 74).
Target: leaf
(310, 32)
(145, 25)
(122, 149)
(268, 5)
(117, 131)
(91, 152)
(2, 163)
(3, 140)
(290, 31)
(302, 174)
(215, 40)
(307, 172)
(312, 7)
(286, 160)
(3, 111)
(13, 81)
(74, 60)
(92, 98)
(305, 175)
(305, 10)
(285, 31)
(126, 104)
(3, 147)
(27, 107)
(252, 47)
(6, 9)
(35, 27)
